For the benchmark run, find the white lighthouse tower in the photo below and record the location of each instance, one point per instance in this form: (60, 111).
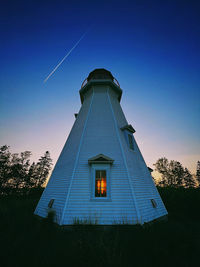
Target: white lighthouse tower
(100, 175)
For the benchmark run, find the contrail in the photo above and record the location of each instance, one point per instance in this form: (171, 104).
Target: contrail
(65, 56)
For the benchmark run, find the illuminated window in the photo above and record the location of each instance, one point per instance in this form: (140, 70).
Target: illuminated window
(100, 183)
(130, 140)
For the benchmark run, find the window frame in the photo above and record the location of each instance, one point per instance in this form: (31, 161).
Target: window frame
(50, 203)
(129, 130)
(126, 135)
(100, 167)
(99, 176)
(154, 203)
(130, 141)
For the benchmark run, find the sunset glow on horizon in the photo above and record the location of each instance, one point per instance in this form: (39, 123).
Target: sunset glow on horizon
(151, 49)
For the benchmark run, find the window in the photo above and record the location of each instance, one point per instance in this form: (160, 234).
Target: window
(128, 134)
(130, 140)
(100, 183)
(51, 203)
(153, 202)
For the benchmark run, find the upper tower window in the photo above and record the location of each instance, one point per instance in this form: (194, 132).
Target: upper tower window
(128, 133)
(130, 140)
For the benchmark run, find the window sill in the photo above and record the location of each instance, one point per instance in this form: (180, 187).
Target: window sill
(101, 199)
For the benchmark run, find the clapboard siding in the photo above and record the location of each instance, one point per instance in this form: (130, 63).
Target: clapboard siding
(58, 184)
(100, 137)
(142, 182)
(97, 131)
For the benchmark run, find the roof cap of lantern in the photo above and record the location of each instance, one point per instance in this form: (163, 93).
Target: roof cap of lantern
(100, 76)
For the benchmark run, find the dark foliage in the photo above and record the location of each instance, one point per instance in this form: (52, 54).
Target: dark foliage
(188, 179)
(17, 176)
(27, 240)
(174, 174)
(198, 172)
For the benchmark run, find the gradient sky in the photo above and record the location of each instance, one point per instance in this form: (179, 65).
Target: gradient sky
(151, 47)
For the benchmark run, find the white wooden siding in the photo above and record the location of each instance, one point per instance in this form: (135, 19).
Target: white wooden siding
(97, 131)
(142, 181)
(100, 137)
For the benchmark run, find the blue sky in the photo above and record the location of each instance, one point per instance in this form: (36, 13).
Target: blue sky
(151, 47)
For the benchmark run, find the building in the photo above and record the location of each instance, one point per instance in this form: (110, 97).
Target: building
(101, 176)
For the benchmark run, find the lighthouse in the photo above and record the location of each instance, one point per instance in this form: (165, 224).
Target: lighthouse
(101, 176)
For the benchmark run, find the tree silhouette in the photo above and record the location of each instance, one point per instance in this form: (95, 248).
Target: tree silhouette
(162, 166)
(19, 169)
(18, 175)
(42, 169)
(32, 176)
(176, 173)
(173, 173)
(189, 181)
(198, 172)
(5, 156)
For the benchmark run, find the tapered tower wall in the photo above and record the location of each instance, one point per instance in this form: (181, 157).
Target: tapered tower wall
(59, 182)
(100, 136)
(141, 180)
(98, 129)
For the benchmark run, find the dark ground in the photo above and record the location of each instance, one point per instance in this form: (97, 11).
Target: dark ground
(27, 241)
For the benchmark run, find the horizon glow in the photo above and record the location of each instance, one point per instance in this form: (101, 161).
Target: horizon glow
(151, 48)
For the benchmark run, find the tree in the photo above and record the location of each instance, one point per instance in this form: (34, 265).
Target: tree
(19, 169)
(32, 176)
(162, 166)
(42, 170)
(198, 172)
(172, 172)
(176, 173)
(188, 179)
(18, 175)
(5, 157)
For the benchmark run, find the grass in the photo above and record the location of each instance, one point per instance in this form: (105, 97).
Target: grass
(86, 221)
(27, 241)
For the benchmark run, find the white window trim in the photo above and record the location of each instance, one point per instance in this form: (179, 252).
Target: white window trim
(130, 142)
(105, 167)
(126, 133)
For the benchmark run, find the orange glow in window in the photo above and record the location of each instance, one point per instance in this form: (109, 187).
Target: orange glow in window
(100, 183)
(103, 186)
(98, 186)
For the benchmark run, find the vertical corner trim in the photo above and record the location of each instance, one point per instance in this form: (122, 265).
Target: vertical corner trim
(124, 158)
(76, 161)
